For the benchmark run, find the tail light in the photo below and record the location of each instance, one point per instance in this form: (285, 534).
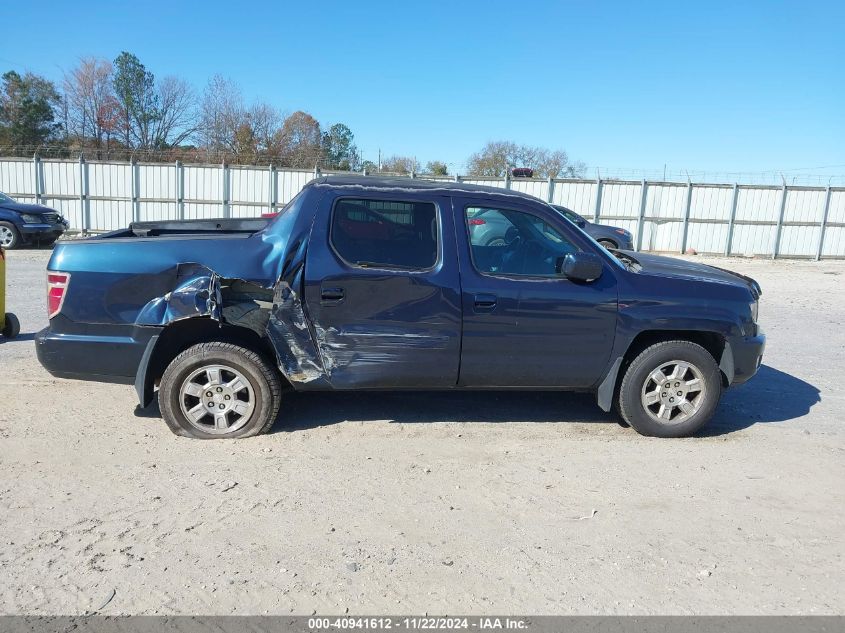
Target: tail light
(57, 284)
(477, 221)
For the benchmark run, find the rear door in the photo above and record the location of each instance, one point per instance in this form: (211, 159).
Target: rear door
(524, 324)
(382, 290)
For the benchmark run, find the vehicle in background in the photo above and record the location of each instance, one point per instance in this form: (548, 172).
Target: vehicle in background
(607, 236)
(10, 327)
(28, 224)
(364, 282)
(490, 228)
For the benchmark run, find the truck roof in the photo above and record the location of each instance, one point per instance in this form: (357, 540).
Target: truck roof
(394, 183)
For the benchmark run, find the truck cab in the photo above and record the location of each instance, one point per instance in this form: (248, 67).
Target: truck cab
(378, 283)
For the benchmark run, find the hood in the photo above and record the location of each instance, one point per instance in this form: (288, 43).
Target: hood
(679, 268)
(20, 207)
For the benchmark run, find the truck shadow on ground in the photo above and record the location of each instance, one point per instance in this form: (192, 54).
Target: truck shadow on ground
(771, 396)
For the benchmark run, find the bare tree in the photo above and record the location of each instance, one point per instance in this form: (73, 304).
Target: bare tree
(176, 117)
(88, 93)
(498, 157)
(266, 124)
(222, 113)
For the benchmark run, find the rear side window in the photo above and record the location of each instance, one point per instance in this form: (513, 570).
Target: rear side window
(385, 233)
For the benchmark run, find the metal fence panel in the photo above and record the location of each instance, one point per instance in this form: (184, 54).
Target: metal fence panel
(578, 196)
(710, 218)
(18, 176)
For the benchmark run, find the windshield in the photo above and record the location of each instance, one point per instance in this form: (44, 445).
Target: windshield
(5, 198)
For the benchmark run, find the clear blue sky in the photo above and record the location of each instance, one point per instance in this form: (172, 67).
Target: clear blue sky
(714, 86)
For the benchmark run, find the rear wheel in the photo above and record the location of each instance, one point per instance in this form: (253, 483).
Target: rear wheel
(671, 389)
(608, 243)
(9, 236)
(219, 390)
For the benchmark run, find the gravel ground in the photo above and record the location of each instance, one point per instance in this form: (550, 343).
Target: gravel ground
(440, 502)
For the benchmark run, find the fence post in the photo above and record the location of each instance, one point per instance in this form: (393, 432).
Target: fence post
(457, 178)
(84, 205)
(180, 190)
(687, 210)
(134, 190)
(824, 224)
(730, 240)
(550, 192)
(597, 210)
(272, 193)
(776, 244)
(507, 180)
(225, 175)
(641, 221)
(36, 168)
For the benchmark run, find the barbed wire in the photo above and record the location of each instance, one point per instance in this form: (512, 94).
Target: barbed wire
(790, 176)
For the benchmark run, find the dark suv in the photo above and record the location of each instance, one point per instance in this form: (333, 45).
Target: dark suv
(28, 223)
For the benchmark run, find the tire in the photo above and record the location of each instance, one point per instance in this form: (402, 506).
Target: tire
(497, 241)
(249, 404)
(608, 243)
(699, 386)
(9, 236)
(12, 326)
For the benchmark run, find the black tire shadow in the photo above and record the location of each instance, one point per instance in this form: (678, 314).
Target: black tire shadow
(770, 396)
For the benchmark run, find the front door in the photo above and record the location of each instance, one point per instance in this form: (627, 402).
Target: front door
(524, 324)
(383, 292)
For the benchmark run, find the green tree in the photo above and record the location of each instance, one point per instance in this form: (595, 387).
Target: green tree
(27, 109)
(339, 151)
(401, 165)
(437, 168)
(134, 87)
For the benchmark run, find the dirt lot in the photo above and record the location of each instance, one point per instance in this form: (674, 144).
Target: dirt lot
(407, 503)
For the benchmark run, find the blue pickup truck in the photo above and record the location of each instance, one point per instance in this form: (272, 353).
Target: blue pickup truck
(377, 283)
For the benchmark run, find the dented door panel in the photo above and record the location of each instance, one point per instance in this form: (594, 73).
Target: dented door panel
(377, 327)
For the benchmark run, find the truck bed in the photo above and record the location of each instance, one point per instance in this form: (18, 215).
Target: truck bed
(189, 227)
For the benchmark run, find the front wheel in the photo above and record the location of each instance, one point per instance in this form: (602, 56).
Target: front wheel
(9, 236)
(219, 390)
(671, 389)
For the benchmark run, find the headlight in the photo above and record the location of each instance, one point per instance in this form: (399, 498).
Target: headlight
(755, 307)
(31, 219)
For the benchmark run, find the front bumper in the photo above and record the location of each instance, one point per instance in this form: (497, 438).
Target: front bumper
(746, 356)
(39, 232)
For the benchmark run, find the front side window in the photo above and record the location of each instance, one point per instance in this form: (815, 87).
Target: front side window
(385, 233)
(511, 242)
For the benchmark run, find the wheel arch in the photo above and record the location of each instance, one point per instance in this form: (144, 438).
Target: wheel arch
(179, 335)
(714, 342)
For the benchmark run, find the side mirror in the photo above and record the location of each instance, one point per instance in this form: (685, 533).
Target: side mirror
(580, 266)
(581, 222)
